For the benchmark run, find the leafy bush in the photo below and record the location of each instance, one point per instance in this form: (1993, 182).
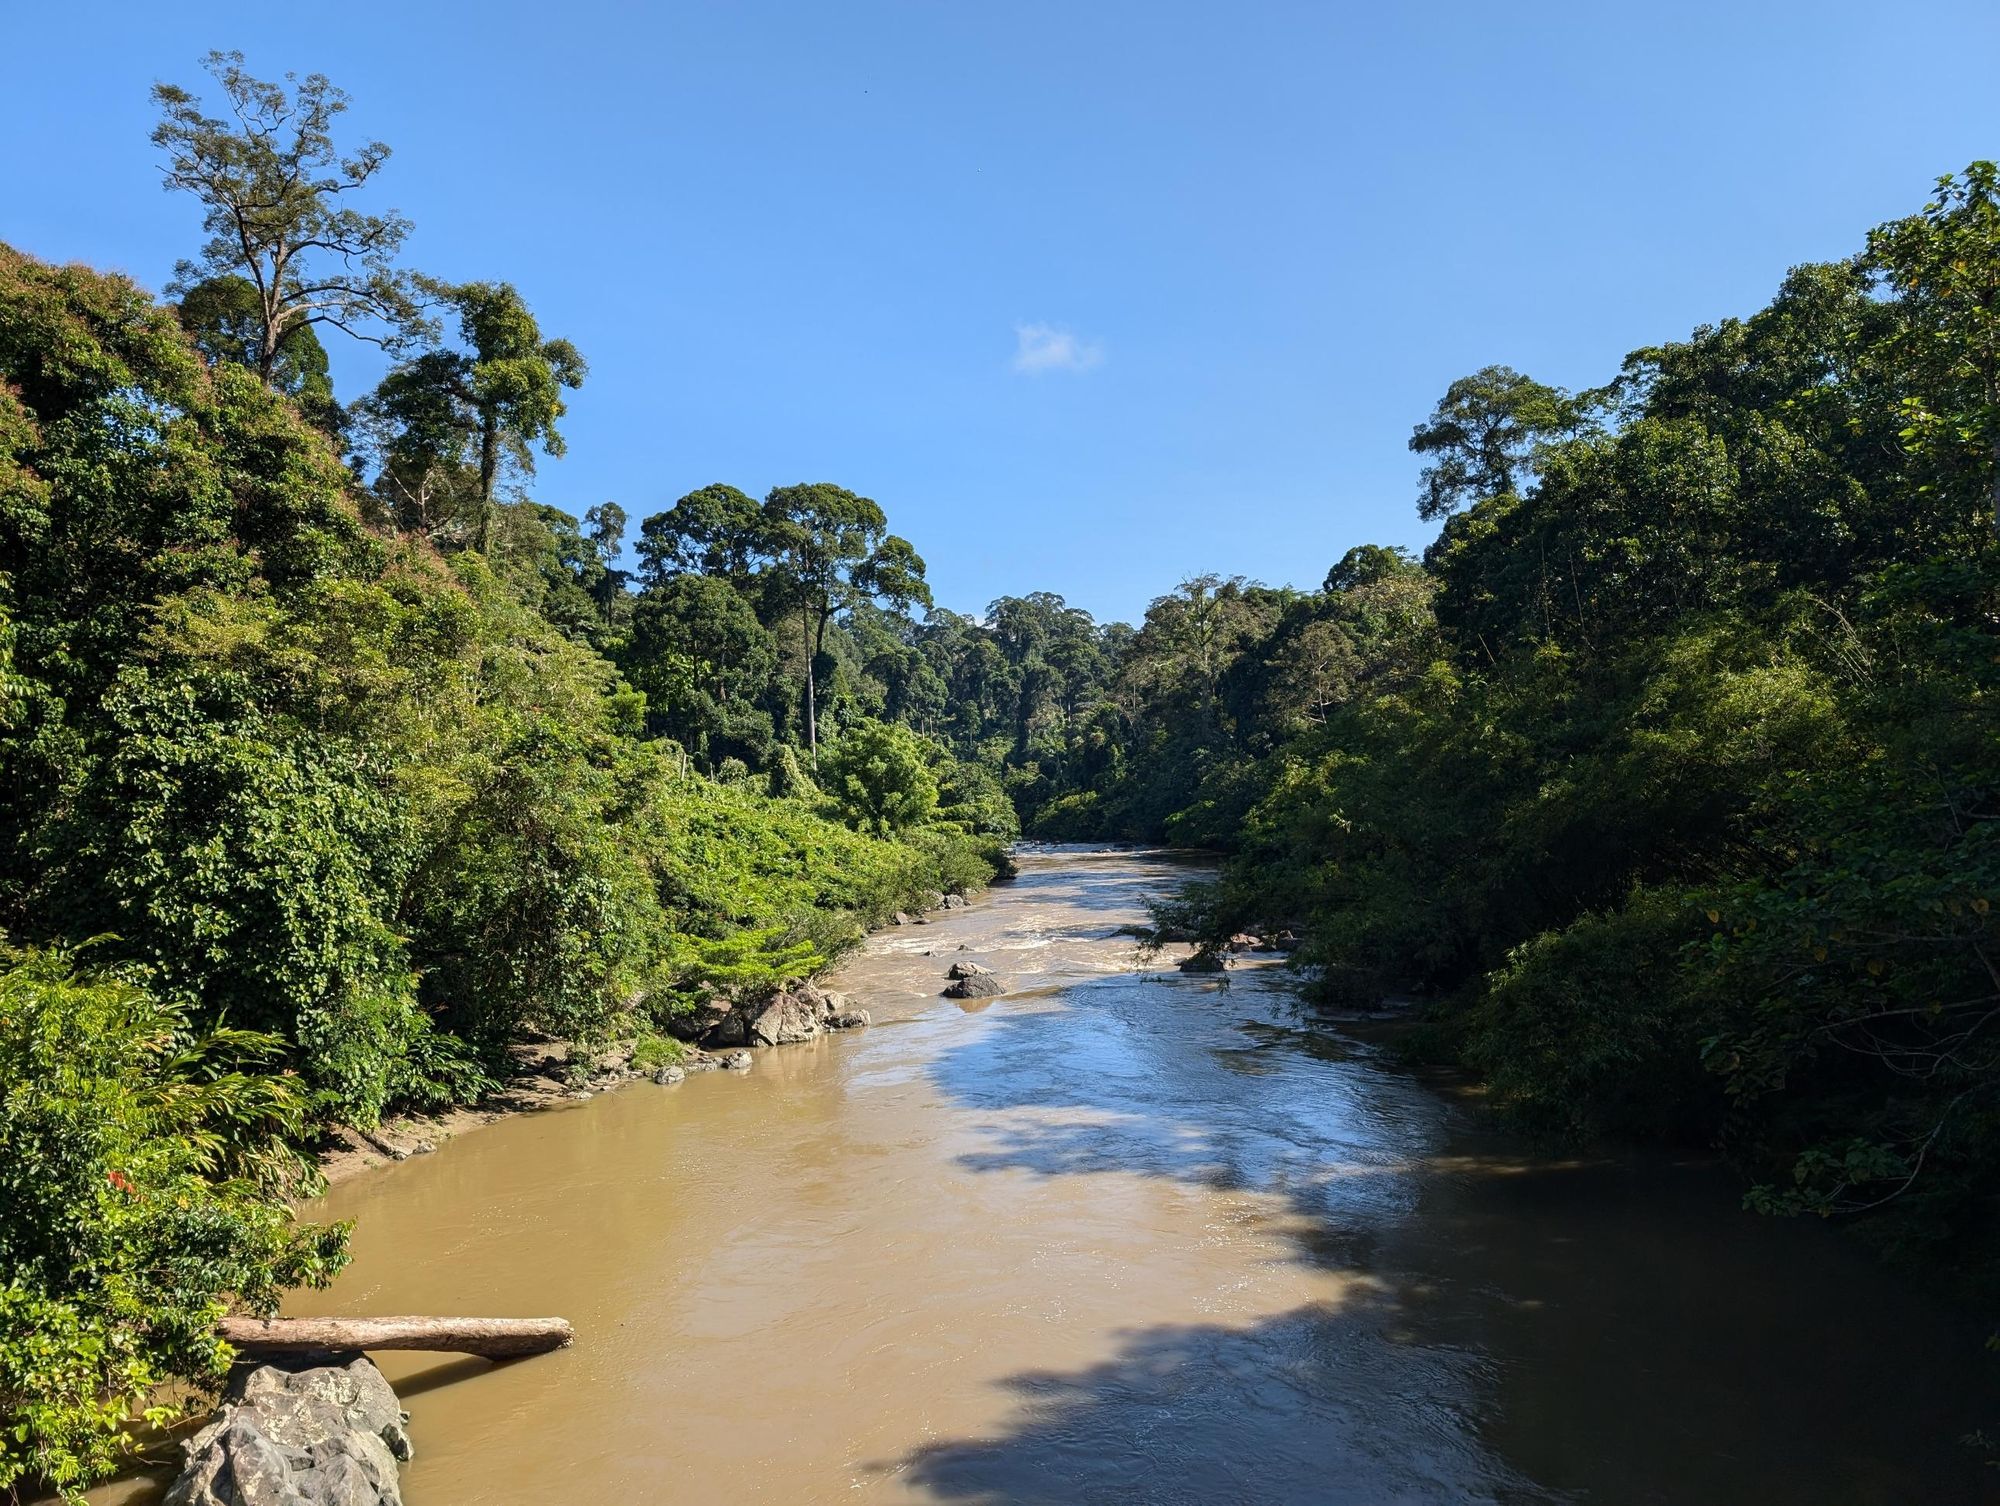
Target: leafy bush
(879, 777)
(1591, 1030)
(652, 1052)
(143, 1178)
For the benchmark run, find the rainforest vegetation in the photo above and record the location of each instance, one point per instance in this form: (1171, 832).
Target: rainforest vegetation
(1666, 781)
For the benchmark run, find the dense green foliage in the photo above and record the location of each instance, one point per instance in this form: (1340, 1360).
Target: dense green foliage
(1670, 773)
(332, 784)
(144, 1195)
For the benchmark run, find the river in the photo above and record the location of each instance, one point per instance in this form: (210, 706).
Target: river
(1128, 1236)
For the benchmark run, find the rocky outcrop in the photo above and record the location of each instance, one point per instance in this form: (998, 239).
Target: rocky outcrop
(797, 1012)
(321, 1431)
(971, 981)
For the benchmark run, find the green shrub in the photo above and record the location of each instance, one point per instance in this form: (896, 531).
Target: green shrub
(879, 777)
(652, 1052)
(143, 1177)
(1590, 1031)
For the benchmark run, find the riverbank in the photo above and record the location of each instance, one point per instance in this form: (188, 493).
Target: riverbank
(549, 1074)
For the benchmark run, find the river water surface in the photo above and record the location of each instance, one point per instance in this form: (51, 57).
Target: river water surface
(1126, 1236)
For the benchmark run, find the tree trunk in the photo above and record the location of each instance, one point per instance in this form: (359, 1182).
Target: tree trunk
(494, 1338)
(489, 474)
(1996, 486)
(812, 674)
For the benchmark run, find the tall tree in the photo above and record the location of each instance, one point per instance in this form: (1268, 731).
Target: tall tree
(274, 190)
(487, 404)
(606, 525)
(1484, 434)
(513, 379)
(830, 548)
(714, 530)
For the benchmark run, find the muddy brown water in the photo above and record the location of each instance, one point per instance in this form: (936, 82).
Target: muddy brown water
(1128, 1236)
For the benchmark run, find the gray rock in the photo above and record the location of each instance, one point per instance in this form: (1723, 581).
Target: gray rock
(966, 970)
(1244, 941)
(786, 1019)
(978, 985)
(738, 1061)
(1204, 962)
(320, 1435)
(849, 1019)
(667, 1076)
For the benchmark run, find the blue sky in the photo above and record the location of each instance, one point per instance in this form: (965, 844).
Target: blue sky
(1090, 296)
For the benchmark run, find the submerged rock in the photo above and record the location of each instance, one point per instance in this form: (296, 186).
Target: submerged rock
(325, 1434)
(1204, 962)
(667, 1076)
(738, 1061)
(849, 1019)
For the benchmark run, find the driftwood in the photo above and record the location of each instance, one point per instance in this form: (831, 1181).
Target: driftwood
(494, 1338)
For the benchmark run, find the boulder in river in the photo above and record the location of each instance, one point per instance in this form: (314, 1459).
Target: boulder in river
(966, 970)
(785, 1018)
(975, 982)
(738, 1061)
(1244, 941)
(848, 1019)
(1204, 961)
(326, 1432)
(669, 1075)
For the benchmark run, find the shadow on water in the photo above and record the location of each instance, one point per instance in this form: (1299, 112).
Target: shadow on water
(1209, 1414)
(1517, 1327)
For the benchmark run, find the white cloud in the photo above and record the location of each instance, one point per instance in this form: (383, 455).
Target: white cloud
(1040, 348)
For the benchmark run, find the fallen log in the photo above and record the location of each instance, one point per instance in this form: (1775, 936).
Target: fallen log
(493, 1338)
